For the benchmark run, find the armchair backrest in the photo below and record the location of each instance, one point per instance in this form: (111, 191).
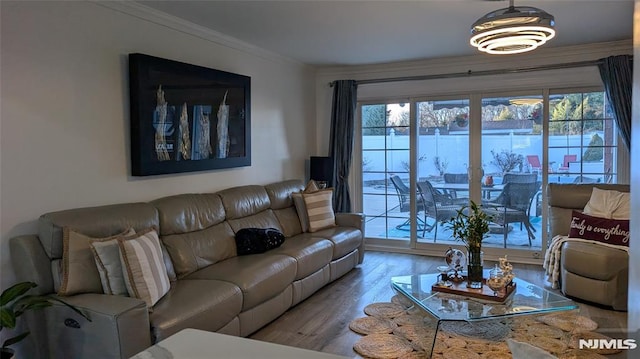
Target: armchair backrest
(456, 178)
(401, 188)
(428, 195)
(567, 159)
(534, 161)
(518, 195)
(519, 178)
(403, 193)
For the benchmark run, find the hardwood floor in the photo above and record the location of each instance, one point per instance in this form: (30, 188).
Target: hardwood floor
(321, 322)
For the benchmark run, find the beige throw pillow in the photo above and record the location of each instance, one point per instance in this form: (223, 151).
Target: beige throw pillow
(319, 208)
(311, 187)
(608, 204)
(145, 274)
(79, 271)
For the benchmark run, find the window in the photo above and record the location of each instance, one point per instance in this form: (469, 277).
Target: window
(582, 139)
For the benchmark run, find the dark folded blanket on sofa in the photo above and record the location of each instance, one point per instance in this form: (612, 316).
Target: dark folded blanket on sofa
(258, 240)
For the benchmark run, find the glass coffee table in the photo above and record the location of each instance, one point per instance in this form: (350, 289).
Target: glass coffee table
(439, 307)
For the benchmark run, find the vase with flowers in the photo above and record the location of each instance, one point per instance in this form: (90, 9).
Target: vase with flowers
(471, 226)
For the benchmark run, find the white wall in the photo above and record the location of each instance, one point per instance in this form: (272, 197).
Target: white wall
(65, 109)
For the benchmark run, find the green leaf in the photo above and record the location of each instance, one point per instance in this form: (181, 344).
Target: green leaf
(31, 302)
(15, 291)
(15, 339)
(7, 318)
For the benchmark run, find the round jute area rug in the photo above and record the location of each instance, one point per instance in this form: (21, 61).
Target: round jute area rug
(412, 335)
(384, 310)
(383, 346)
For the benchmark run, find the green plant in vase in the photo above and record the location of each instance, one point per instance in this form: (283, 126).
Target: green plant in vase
(471, 226)
(14, 302)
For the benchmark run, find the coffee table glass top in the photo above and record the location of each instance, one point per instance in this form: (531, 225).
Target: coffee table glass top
(527, 298)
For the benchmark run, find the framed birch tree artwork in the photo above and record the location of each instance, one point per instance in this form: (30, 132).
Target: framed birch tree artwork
(187, 118)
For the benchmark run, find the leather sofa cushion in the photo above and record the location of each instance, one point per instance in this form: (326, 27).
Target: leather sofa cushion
(97, 222)
(196, 250)
(280, 193)
(244, 201)
(593, 261)
(259, 276)
(189, 212)
(345, 239)
(311, 254)
(264, 219)
(289, 221)
(200, 304)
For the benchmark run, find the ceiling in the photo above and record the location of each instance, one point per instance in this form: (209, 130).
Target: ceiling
(326, 33)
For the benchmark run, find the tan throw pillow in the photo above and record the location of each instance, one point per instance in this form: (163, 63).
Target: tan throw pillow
(319, 207)
(145, 274)
(79, 271)
(311, 187)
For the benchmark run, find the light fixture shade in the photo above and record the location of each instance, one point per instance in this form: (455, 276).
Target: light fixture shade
(512, 30)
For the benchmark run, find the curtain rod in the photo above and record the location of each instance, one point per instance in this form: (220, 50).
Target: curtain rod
(479, 73)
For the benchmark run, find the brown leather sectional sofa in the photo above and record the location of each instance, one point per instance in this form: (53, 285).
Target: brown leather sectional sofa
(211, 287)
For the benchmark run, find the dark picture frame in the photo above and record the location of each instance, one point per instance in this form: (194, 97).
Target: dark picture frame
(186, 117)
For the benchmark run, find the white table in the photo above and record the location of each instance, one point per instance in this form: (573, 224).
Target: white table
(200, 344)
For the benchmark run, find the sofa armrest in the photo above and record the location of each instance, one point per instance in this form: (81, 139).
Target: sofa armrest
(31, 263)
(355, 220)
(119, 327)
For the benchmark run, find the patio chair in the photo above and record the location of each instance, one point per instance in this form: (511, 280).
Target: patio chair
(404, 203)
(436, 206)
(519, 178)
(534, 163)
(585, 179)
(565, 162)
(513, 205)
(455, 178)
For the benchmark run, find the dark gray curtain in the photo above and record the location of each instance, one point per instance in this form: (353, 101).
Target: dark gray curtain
(616, 73)
(343, 110)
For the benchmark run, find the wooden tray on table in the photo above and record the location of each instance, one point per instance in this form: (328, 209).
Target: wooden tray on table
(486, 293)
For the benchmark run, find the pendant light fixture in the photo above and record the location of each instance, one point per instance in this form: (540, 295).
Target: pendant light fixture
(512, 30)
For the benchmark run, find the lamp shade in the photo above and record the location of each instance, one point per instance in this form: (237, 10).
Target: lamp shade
(512, 30)
(321, 169)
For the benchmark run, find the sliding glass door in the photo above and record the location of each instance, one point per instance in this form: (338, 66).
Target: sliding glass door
(386, 198)
(443, 162)
(511, 156)
(422, 160)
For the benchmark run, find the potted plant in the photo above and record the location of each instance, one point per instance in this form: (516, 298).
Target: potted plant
(471, 226)
(14, 302)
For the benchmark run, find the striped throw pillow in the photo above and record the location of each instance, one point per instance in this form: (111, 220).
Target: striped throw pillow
(319, 209)
(145, 274)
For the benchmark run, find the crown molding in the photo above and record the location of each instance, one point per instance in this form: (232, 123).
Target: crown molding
(478, 62)
(160, 18)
